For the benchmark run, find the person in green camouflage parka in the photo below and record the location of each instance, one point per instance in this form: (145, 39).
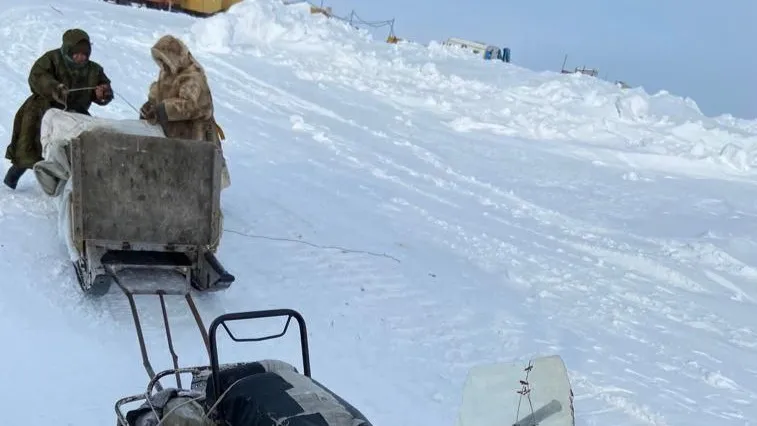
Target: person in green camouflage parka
(56, 80)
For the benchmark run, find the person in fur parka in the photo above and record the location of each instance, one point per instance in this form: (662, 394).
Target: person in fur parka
(180, 99)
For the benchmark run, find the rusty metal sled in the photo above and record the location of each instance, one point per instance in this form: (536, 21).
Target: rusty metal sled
(145, 202)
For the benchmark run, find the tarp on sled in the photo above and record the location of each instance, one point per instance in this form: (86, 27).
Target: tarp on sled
(491, 395)
(139, 186)
(59, 127)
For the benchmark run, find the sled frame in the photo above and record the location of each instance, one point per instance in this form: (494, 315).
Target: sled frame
(141, 198)
(184, 290)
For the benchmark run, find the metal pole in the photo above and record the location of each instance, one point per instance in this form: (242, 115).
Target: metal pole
(168, 337)
(198, 319)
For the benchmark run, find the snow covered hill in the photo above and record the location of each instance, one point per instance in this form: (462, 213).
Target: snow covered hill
(426, 211)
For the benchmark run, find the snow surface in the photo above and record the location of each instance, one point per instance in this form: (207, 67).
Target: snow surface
(487, 213)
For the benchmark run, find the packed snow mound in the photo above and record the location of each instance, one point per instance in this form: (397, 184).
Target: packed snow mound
(270, 26)
(448, 83)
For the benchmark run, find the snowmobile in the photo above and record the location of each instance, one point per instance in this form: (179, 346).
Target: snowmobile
(264, 392)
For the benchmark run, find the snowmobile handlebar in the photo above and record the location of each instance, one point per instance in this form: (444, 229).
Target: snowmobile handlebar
(214, 368)
(238, 316)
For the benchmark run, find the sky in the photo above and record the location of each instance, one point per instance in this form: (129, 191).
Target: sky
(700, 49)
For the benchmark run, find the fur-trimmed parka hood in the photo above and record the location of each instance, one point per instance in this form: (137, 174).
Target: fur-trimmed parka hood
(172, 54)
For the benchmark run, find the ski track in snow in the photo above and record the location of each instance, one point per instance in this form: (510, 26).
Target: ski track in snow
(486, 215)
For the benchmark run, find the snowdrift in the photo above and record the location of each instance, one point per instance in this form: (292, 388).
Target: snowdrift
(509, 100)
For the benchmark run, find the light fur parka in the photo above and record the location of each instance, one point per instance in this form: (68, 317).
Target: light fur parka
(181, 96)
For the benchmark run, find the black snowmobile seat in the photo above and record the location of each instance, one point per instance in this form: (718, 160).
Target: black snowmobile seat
(269, 392)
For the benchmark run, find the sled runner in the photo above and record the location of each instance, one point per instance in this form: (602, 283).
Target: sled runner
(265, 392)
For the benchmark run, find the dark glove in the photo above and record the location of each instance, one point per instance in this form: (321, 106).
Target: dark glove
(60, 93)
(147, 112)
(103, 93)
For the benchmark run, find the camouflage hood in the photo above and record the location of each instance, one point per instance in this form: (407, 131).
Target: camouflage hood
(172, 54)
(71, 38)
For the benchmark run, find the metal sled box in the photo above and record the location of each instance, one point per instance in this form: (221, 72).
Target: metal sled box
(144, 189)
